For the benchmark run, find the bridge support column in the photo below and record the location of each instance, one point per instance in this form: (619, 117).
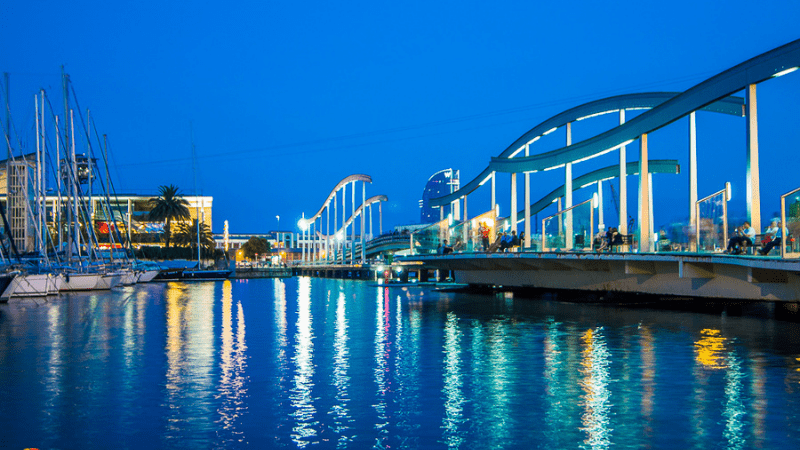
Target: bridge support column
(466, 226)
(568, 194)
(753, 189)
(363, 207)
(623, 183)
(692, 179)
(645, 238)
(494, 202)
(600, 222)
(513, 214)
(527, 242)
(353, 224)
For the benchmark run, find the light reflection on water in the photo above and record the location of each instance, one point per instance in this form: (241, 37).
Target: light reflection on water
(342, 364)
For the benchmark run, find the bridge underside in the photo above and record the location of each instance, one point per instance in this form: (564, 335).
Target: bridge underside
(697, 276)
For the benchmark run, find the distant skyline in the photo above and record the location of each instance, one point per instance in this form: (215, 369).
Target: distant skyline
(285, 100)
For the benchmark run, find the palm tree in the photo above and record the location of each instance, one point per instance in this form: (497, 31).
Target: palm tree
(167, 206)
(186, 234)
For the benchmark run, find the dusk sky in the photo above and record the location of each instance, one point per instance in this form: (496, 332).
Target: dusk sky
(287, 98)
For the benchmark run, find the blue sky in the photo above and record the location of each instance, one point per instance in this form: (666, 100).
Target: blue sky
(287, 98)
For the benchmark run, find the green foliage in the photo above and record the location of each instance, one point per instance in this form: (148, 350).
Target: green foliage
(167, 206)
(186, 235)
(255, 245)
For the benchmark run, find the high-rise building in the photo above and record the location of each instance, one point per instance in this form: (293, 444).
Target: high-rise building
(441, 183)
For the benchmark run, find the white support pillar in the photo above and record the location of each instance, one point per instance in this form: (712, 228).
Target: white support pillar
(335, 224)
(692, 178)
(527, 242)
(568, 194)
(753, 188)
(600, 204)
(494, 174)
(651, 208)
(645, 237)
(344, 221)
(328, 230)
(380, 218)
(466, 226)
(623, 183)
(441, 213)
(353, 224)
(370, 222)
(363, 221)
(513, 215)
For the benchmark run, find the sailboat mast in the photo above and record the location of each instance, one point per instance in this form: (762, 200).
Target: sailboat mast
(36, 175)
(58, 185)
(67, 115)
(76, 223)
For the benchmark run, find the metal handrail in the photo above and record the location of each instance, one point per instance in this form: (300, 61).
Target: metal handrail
(591, 222)
(785, 234)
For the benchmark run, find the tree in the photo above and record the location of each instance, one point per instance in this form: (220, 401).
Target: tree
(169, 205)
(255, 245)
(186, 235)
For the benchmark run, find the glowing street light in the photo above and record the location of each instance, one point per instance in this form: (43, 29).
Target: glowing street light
(303, 224)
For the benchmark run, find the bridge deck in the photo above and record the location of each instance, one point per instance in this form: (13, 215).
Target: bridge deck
(674, 274)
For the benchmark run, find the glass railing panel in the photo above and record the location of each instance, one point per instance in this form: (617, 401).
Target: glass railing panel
(473, 235)
(711, 222)
(790, 214)
(569, 230)
(429, 239)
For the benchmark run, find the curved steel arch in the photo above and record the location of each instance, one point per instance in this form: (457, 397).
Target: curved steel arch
(606, 173)
(367, 202)
(752, 71)
(349, 179)
(727, 105)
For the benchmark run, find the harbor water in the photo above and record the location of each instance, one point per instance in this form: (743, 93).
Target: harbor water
(322, 363)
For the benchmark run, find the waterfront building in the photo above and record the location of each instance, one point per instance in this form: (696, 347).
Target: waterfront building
(441, 183)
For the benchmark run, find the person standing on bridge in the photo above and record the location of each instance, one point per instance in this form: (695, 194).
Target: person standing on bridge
(484, 236)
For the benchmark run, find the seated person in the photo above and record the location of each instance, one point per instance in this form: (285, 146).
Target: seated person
(776, 235)
(744, 237)
(446, 249)
(600, 241)
(514, 239)
(505, 241)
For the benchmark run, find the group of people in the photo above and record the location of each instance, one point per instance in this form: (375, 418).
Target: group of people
(745, 236)
(510, 240)
(605, 240)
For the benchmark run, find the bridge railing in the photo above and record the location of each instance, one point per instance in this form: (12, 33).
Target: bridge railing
(569, 230)
(790, 247)
(428, 239)
(468, 236)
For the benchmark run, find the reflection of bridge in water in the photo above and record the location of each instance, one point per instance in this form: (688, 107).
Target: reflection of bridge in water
(563, 252)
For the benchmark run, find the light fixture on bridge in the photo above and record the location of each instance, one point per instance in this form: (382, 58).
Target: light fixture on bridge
(784, 72)
(340, 236)
(728, 191)
(303, 224)
(595, 200)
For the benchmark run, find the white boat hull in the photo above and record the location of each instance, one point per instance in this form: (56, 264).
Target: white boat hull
(32, 285)
(147, 276)
(80, 281)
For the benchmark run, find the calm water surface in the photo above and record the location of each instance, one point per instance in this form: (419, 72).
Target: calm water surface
(344, 364)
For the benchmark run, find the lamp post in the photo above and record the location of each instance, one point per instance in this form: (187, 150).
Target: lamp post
(278, 233)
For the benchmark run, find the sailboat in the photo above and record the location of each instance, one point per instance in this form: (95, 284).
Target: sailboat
(199, 273)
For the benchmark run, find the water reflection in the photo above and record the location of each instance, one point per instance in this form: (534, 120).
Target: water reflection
(734, 409)
(341, 380)
(648, 382)
(710, 349)
(381, 370)
(453, 383)
(596, 398)
(232, 388)
(304, 430)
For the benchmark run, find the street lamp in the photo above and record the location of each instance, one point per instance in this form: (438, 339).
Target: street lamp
(278, 233)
